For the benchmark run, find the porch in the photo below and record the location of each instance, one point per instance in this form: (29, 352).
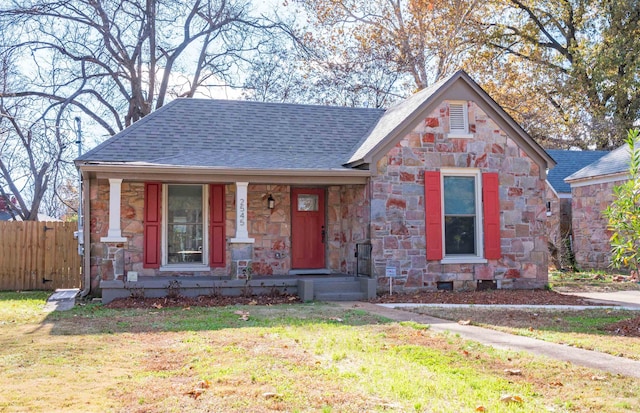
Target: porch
(332, 287)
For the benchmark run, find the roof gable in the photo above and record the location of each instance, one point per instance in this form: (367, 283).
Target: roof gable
(400, 119)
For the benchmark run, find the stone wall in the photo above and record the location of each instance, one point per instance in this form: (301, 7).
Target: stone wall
(271, 228)
(590, 235)
(398, 216)
(348, 225)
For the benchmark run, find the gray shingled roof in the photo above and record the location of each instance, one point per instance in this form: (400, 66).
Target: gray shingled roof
(569, 162)
(240, 134)
(614, 162)
(266, 136)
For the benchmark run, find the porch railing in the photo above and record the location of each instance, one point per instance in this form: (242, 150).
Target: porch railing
(363, 259)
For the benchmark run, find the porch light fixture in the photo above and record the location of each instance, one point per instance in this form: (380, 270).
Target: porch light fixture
(271, 203)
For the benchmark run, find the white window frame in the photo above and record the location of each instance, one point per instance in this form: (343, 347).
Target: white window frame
(478, 257)
(164, 250)
(464, 132)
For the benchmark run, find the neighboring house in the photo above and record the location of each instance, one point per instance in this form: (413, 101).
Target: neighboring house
(592, 192)
(7, 204)
(446, 188)
(559, 200)
(7, 214)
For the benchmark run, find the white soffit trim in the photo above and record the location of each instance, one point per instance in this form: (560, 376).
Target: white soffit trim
(181, 174)
(605, 179)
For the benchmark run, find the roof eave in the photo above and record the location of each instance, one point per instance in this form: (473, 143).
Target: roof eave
(145, 172)
(591, 180)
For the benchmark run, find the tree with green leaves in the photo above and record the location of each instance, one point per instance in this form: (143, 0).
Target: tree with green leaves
(624, 213)
(584, 58)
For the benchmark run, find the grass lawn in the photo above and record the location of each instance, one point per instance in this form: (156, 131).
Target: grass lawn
(583, 329)
(303, 357)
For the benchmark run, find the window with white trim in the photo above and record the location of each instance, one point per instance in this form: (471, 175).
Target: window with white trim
(184, 237)
(462, 213)
(458, 118)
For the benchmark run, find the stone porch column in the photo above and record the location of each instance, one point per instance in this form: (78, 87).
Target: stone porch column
(242, 234)
(241, 246)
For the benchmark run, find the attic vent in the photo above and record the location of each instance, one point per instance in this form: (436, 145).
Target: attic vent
(458, 117)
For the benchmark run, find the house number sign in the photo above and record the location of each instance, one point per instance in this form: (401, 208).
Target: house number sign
(242, 211)
(242, 235)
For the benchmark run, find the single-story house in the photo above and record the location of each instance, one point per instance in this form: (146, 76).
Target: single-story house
(591, 193)
(558, 197)
(443, 190)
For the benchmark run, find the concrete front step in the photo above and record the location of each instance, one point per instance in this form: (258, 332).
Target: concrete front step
(307, 288)
(353, 296)
(337, 287)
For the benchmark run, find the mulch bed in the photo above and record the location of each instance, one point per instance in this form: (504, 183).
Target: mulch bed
(523, 297)
(203, 301)
(629, 328)
(533, 297)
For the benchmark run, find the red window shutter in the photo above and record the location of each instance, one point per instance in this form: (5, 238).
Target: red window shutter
(217, 241)
(491, 212)
(152, 205)
(433, 214)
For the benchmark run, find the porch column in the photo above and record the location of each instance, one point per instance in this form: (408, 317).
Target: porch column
(242, 234)
(114, 234)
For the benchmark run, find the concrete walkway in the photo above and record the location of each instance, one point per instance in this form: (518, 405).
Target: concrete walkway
(622, 298)
(62, 300)
(497, 339)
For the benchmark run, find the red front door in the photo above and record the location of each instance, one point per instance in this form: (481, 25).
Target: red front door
(308, 230)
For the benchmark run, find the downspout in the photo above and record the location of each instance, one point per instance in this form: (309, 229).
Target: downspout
(86, 265)
(80, 233)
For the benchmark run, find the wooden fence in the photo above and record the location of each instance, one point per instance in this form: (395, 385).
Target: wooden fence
(39, 256)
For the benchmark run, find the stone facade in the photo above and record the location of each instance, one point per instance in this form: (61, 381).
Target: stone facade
(590, 234)
(347, 224)
(348, 219)
(398, 214)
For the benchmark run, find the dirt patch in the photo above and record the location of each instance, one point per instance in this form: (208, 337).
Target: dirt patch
(518, 297)
(629, 328)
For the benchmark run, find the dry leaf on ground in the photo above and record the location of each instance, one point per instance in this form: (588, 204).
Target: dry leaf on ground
(204, 384)
(508, 398)
(195, 393)
(244, 315)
